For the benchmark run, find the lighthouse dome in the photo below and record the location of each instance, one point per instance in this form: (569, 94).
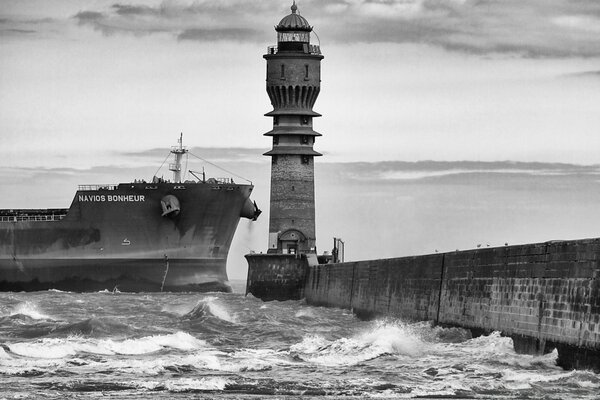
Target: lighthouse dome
(293, 22)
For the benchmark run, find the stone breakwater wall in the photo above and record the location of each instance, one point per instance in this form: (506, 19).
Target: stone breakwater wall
(276, 276)
(545, 296)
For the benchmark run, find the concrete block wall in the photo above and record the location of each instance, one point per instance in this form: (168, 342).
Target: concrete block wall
(543, 295)
(548, 291)
(406, 287)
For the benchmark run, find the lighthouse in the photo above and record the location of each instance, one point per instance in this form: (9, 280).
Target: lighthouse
(293, 84)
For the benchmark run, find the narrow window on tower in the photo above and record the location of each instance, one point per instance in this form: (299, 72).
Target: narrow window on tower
(282, 71)
(305, 159)
(305, 71)
(304, 139)
(304, 120)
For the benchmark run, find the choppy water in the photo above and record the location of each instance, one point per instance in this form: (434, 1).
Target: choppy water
(67, 345)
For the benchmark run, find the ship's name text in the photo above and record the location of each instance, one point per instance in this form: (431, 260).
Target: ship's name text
(112, 197)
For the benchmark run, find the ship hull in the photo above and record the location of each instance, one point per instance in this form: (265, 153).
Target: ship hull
(125, 275)
(130, 237)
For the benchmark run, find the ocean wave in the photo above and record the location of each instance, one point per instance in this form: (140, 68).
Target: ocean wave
(92, 327)
(66, 347)
(383, 339)
(210, 307)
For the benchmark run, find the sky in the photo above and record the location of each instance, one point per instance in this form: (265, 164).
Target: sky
(446, 124)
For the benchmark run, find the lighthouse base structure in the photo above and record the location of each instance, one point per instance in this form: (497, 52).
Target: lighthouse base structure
(277, 276)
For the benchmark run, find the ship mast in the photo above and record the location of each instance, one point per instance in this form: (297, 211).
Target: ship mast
(178, 151)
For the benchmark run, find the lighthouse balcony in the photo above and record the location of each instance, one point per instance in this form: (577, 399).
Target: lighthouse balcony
(306, 48)
(292, 130)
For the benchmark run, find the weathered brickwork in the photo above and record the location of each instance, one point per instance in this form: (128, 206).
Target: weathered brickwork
(292, 196)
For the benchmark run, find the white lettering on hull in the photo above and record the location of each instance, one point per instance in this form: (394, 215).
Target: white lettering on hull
(129, 198)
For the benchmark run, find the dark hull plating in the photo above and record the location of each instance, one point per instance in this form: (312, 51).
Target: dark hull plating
(118, 238)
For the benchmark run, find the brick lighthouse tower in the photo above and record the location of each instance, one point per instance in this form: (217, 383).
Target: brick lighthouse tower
(293, 84)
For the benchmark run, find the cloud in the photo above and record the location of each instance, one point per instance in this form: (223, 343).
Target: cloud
(465, 172)
(213, 154)
(584, 74)
(15, 26)
(535, 28)
(217, 34)
(198, 21)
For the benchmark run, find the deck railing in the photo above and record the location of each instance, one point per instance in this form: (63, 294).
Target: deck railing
(18, 218)
(97, 187)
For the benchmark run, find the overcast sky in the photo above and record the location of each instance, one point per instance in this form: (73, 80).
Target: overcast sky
(86, 84)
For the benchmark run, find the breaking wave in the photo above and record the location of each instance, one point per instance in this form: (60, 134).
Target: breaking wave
(210, 307)
(385, 338)
(70, 346)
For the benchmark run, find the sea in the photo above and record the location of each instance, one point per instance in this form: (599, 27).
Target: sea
(67, 345)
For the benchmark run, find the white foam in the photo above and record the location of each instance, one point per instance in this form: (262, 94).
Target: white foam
(186, 384)
(393, 339)
(534, 376)
(64, 347)
(343, 351)
(255, 360)
(44, 348)
(494, 346)
(150, 344)
(21, 365)
(305, 312)
(588, 384)
(208, 360)
(384, 338)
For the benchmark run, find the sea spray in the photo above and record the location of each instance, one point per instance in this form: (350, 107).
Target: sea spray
(28, 309)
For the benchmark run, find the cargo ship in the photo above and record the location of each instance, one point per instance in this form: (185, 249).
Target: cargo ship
(141, 236)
